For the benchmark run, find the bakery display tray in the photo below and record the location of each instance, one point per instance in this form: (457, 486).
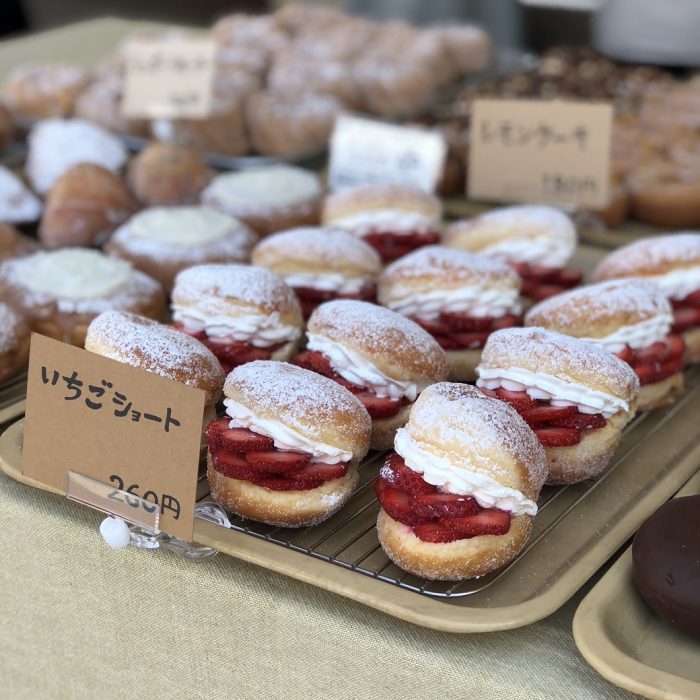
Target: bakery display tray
(12, 398)
(576, 530)
(628, 643)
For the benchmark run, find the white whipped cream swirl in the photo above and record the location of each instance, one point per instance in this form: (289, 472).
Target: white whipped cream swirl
(677, 284)
(638, 335)
(395, 221)
(540, 250)
(328, 282)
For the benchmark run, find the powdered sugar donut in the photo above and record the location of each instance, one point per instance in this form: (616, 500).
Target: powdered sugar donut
(575, 395)
(14, 342)
(459, 494)
(385, 359)
(287, 452)
(458, 297)
(161, 241)
(18, 204)
(321, 264)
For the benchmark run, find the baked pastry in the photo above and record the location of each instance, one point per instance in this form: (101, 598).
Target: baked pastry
(394, 219)
(666, 563)
(44, 90)
(14, 244)
(61, 291)
(7, 127)
(537, 240)
(18, 204)
(268, 199)
(468, 47)
(630, 318)
(14, 342)
(241, 313)
(459, 494)
(57, 144)
(288, 449)
(166, 173)
(672, 262)
(458, 297)
(84, 206)
(142, 342)
(576, 396)
(161, 241)
(382, 357)
(321, 264)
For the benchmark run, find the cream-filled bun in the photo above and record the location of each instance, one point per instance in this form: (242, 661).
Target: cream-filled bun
(457, 296)
(630, 318)
(394, 219)
(161, 241)
(241, 313)
(18, 204)
(288, 449)
(385, 359)
(156, 348)
(459, 496)
(321, 264)
(672, 262)
(576, 396)
(14, 342)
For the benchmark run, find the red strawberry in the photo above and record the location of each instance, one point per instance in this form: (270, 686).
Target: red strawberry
(318, 471)
(519, 400)
(471, 341)
(540, 415)
(568, 277)
(233, 466)
(543, 273)
(652, 353)
(250, 354)
(277, 462)
(459, 322)
(395, 472)
(558, 437)
(242, 440)
(434, 532)
(646, 373)
(489, 521)
(544, 291)
(379, 408)
(627, 355)
(505, 322)
(311, 294)
(676, 345)
(491, 393)
(307, 307)
(447, 343)
(670, 367)
(522, 268)
(397, 504)
(214, 429)
(286, 484)
(685, 318)
(433, 326)
(693, 299)
(430, 506)
(581, 421)
(352, 388)
(528, 286)
(314, 361)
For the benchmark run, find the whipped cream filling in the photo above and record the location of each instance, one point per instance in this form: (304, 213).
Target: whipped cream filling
(547, 387)
(390, 220)
(678, 284)
(440, 472)
(284, 437)
(354, 368)
(540, 250)
(479, 302)
(182, 226)
(328, 282)
(259, 330)
(638, 335)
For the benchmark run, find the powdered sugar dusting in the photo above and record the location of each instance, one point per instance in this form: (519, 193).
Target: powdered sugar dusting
(17, 202)
(527, 219)
(9, 323)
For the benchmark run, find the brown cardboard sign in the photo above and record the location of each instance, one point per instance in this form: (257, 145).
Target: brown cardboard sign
(540, 151)
(169, 79)
(114, 423)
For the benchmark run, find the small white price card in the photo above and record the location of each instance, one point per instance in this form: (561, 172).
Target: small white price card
(168, 79)
(540, 151)
(365, 152)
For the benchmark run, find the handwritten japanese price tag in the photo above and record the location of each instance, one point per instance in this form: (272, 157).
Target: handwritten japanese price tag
(366, 152)
(540, 151)
(167, 79)
(131, 430)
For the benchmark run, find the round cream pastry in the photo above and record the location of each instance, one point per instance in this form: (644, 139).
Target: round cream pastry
(57, 144)
(456, 296)
(385, 359)
(241, 313)
(287, 451)
(576, 396)
(268, 199)
(164, 240)
(18, 204)
(63, 290)
(321, 264)
(630, 318)
(394, 219)
(537, 240)
(672, 262)
(14, 342)
(459, 494)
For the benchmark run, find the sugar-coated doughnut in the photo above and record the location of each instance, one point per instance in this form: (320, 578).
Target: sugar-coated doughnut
(14, 244)
(14, 342)
(18, 204)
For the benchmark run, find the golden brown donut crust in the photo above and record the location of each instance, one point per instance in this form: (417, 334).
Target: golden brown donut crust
(463, 364)
(14, 244)
(660, 393)
(384, 430)
(692, 346)
(451, 561)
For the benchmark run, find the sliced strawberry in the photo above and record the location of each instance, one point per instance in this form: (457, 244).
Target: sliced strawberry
(522, 268)
(505, 322)
(581, 421)
(543, 273)
(214, 430)
(558, 437)
(353, 388)
(676, 346)
(491, 393)
(379, 408)
(307, 307)
(433, 326)
(250, 354)
(460, 322)
(311, 294)
(287, 484)
(314, 361)
(685, 318)
(395, 472)
(434, 532)
(471, 341)
(277, 462)
(241, 440)
(519, 400)
(539, 415)
(544, 291)
(670, 367)
(317, 471)
(431, 506)
(652, 353)
(448, 343)
(233, 466)
(396, 503)
(692, 299)
(626, 355)
(489, 521)
(568, 277)
(646, 374)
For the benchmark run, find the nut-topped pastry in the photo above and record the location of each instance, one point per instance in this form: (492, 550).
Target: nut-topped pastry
(394, 219)
(321, 264)
(673, 263)
(630, 318)
(241, 313)
(537, 240)
(576, 396)
(18, 204)
(61, 291)
(459, 494)
(458, 297)
(14, 342)
(386, 360)
(288, 449)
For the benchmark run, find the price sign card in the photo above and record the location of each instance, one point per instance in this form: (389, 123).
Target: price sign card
(540, 151)
(121, 426)
(167, 79)
(365, 152)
